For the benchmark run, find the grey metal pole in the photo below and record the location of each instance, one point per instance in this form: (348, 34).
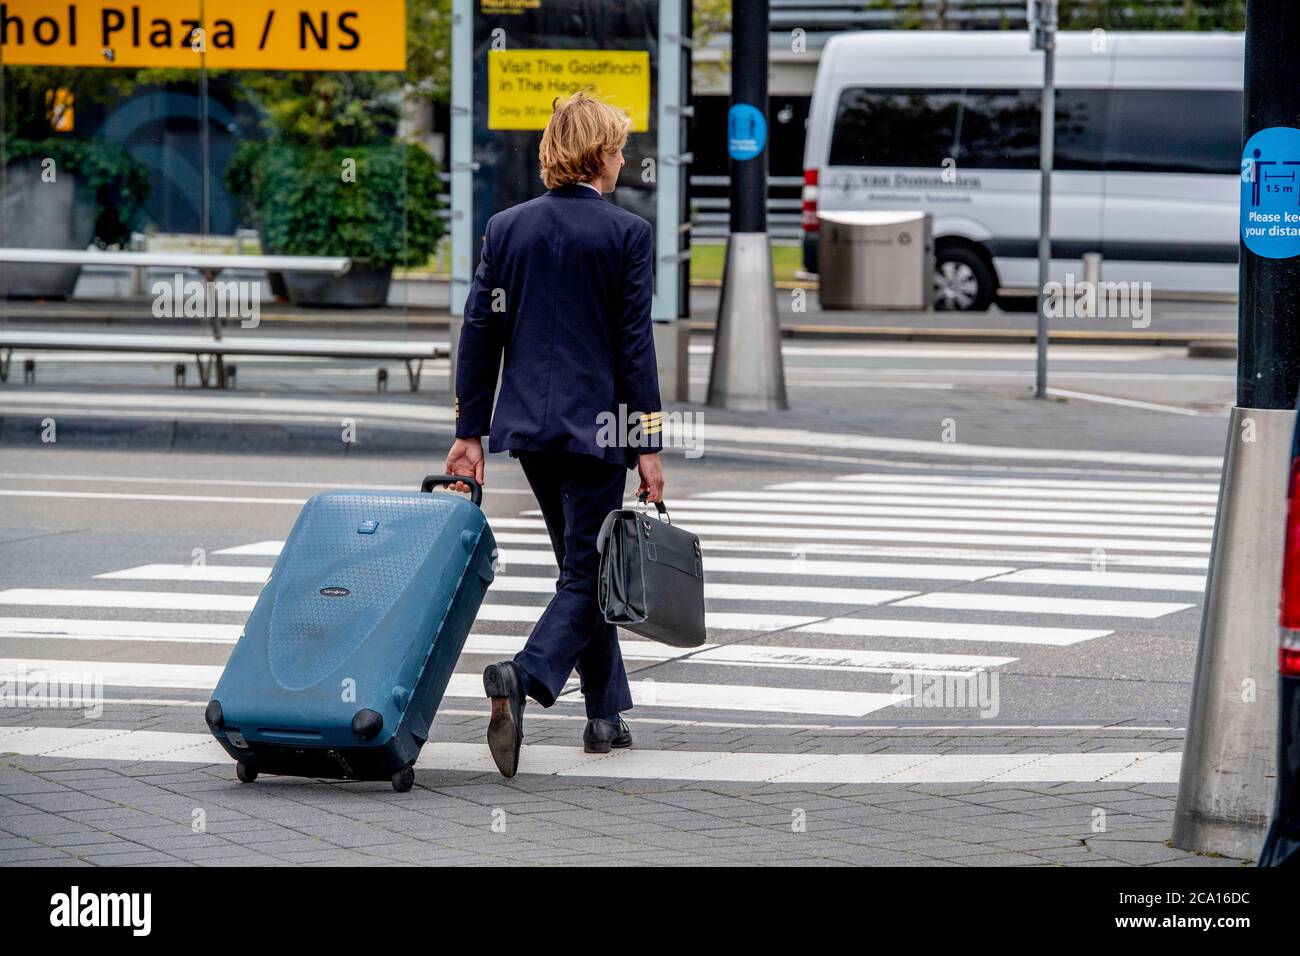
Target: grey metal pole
(4, 172)
(1047, 136)
(1268, 363)
(205, 135)
(684, 192)
(746, 372)
(1228, 769)
(461, 171)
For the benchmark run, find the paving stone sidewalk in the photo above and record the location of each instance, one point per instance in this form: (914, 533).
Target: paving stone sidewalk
(91, 812)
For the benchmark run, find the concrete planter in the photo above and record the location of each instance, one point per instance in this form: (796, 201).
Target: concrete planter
(361, 287)
(42, 215)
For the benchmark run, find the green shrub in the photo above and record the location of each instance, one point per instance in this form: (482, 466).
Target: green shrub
(115, 182)
(305, 206)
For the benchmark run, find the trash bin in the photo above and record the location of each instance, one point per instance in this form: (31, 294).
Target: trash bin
(876, 260)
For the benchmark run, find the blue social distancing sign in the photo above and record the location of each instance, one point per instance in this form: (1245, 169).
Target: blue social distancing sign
(746, 131)
(1270, 193)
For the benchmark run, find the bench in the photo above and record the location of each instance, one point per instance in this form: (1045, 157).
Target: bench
(210, 352)
(210, 266)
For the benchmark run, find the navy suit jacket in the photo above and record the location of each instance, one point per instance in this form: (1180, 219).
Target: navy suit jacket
(563, 292)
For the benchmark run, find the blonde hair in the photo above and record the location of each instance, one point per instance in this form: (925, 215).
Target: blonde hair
(581, 132)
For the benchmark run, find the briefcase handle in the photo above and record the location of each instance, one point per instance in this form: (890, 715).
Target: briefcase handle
(475, 489)
(659, 505)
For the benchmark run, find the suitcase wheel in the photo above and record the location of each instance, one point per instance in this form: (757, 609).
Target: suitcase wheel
(404, 779)
(246, 772)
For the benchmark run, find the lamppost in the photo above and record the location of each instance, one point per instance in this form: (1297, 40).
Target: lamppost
(746, 373)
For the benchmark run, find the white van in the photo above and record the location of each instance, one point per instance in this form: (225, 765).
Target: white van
(1147, 157)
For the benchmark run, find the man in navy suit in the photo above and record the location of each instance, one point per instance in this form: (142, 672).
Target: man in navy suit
(562, 292)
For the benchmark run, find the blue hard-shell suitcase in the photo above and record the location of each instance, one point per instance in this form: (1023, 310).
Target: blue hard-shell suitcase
(352, 642)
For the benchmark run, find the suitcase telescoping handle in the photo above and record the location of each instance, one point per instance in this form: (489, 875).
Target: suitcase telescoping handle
(475, 489)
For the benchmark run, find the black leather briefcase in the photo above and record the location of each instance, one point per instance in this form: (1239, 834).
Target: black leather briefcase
(652, 577)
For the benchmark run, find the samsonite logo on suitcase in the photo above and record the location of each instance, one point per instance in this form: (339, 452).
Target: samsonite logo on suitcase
(352, 642)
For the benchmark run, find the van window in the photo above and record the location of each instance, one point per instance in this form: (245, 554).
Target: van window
(1171, 131)
(893, 128)
(1080, 130)
(922, 128)
(1175, 131)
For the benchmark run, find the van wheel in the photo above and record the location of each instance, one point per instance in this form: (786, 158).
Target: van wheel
(963, 281)
(246, 772)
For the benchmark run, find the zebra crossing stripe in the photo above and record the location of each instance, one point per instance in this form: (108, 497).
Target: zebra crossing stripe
(529, 614)
(136, 600)
(1068, 483)
(15, 671)
(96, 629)
(984, 491)
(177, 600)
(506, 645)
(1191, 583)
(207, 573)
(1052, 526)
(799, 564)
(866, 528)
(645, 693)
(716, 620)
(743, 767)
(826, 513)
(733, 592)
(805, 549)
(792, 563)
(258, 549)
(249, 574)
(236, 574)
(1023, 604)
(146, 496)
(755, 655)
(709, 532)
(953, 631)
(844, 496)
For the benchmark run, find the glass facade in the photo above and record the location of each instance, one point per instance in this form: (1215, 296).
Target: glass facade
(222, 127)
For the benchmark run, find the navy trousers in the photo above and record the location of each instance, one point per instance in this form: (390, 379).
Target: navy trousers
(575, 493)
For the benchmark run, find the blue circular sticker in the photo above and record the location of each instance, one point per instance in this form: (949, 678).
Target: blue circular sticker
(1270, 193)
(746, 131)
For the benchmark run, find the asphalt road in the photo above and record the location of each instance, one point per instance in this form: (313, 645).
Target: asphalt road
(928, 555)
(1005, 622)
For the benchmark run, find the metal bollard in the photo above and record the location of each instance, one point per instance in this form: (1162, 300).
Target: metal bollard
(139, 275)
(1087, 308)
(1225, 790)
(1092, 267)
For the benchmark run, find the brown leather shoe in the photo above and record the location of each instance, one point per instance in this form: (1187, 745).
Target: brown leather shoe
(503, 683)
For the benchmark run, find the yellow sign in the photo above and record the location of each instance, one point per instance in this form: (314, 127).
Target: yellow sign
(496, 7)
(523, 84)
(234, 34)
